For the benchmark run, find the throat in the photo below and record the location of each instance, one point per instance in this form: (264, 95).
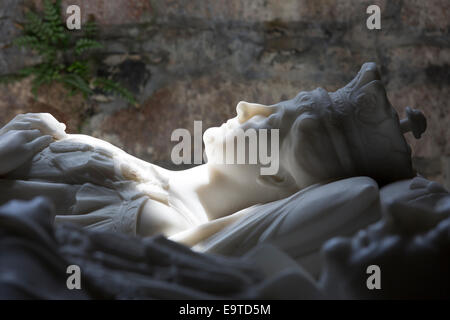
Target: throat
(183, 196)
(203, 193)
(223, 196)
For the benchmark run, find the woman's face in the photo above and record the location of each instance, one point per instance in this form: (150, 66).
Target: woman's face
(248, 116)
(258, 128)
(321, 136)
(300, 132)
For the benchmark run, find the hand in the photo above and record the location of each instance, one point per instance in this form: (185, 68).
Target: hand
(19, 146)
(44, 122)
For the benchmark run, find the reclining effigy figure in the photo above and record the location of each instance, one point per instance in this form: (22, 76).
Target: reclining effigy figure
(336, 150)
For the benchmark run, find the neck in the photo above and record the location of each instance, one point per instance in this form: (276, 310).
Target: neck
(209, 194)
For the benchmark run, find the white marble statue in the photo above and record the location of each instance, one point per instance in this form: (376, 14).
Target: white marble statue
(336, 149)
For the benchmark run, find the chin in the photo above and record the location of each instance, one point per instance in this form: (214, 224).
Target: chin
(211, 154)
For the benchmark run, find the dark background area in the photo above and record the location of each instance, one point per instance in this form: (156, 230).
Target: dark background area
(195, 60)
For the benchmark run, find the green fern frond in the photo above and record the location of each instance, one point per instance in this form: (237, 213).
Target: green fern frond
(84, 44)
(36, 26)
(77, 83)
(30, 42)
(113, 87)
(41, 77)
(48, 36)
(53, 19)
(90, 29)
(80, 68)
(52, 11)
(43, 73)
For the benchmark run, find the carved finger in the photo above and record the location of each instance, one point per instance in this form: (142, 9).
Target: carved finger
(40, 143)
(21, 125)
(53, 128)
(31, 134)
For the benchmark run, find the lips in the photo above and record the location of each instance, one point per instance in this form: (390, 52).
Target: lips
(229, 125)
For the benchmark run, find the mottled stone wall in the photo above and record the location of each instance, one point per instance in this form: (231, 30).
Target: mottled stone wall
(194, 60)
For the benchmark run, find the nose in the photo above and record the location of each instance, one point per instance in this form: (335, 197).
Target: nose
(246, 110)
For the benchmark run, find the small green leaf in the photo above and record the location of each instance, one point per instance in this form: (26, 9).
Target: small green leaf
(86, 44)
(113, 87)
